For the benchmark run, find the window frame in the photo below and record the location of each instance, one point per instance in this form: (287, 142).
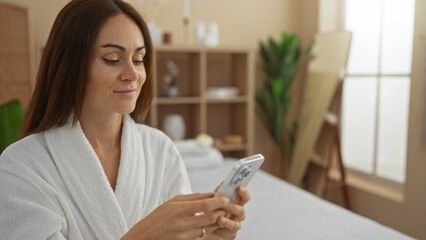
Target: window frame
(379, 76)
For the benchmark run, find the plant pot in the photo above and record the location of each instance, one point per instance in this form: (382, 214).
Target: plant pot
(281, 162)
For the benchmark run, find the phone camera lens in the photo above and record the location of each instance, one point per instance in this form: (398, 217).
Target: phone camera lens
(246, 172)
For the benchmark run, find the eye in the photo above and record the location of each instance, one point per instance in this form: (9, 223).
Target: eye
(111, 61)
(138, 62)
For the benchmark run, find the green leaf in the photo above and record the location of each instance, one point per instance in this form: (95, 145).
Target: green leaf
(11, 115)
(280, 61)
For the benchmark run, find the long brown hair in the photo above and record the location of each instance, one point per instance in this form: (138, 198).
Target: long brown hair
(62, 75)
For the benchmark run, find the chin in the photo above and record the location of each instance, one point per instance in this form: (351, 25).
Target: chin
(126, 109)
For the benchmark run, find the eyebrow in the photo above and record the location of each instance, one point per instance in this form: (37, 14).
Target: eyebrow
(121, 48)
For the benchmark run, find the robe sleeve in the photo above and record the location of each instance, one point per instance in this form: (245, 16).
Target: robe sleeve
(26, 212)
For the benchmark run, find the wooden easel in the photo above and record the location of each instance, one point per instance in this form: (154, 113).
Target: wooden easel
(318, 136)
(327, 150)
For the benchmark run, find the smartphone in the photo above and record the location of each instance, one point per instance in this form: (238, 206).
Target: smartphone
(240, 175)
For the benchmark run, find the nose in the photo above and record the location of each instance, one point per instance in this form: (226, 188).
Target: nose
(129, 72)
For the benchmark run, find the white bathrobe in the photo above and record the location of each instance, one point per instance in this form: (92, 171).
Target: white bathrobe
(52, 184)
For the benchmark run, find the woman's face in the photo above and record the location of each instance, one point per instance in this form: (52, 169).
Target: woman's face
(116, 68)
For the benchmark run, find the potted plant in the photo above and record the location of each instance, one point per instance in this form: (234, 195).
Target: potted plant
(11, 115)
(280, 61)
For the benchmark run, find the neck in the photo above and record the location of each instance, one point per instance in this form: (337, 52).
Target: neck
(102, 131)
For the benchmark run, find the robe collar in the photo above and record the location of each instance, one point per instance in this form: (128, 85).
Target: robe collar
(107, 212)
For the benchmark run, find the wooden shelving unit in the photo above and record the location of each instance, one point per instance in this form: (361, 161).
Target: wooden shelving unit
(16, 54)
(199, 69)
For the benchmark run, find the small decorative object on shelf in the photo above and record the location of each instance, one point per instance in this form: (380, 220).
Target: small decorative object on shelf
(156, 33)
(222, 92)
(207, 36)
(233, 139)
(167, 38)
(170, 88)
(174, 126)
(199, 33)
(186, 16)
(212, 35)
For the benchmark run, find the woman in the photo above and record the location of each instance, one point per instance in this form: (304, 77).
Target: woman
(85, 169)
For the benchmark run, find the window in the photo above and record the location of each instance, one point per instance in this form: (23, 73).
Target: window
(377, 86)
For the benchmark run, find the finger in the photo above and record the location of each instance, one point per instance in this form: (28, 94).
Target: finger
(223, 233)
(244, 196)
(237, 212)
(206, 219)
(214, 236)
(194, 196)
(193, 233)
(212, 228)
(204, 205)
(230, 216)
(217, 188)
(231, 225)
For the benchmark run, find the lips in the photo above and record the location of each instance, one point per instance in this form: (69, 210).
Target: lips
(125, 91)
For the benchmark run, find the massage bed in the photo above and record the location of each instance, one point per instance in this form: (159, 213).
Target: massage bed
(279, 210)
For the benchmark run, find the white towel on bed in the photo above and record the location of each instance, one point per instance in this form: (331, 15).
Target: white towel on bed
(54, 187)
(212, 157)
(191, 147)
(198, 152)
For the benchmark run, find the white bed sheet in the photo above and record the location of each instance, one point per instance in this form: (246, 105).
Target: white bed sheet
(279, 210)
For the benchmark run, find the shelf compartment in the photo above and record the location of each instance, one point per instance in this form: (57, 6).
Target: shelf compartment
(226, 69)
(8, 52)
(239, 99)
(190, 114)
(227, 119)
(235, 154)
(10, 69)
(231, 147)
(188, 78)
(178, 100)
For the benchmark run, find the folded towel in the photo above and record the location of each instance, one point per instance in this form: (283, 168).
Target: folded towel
(199, 145)
(198, 152)
(213, 157)
(191, 147)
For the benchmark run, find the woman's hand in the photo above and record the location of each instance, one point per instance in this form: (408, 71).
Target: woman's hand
(231, 224)
(177, 219)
